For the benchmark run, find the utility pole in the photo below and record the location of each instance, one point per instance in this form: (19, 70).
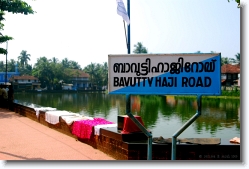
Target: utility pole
(6, 63)
(128, 28)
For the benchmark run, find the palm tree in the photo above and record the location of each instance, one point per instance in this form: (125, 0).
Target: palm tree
(224, 60)
(90, 69)
(98, 75)
(139, 48)
(105, 73)
(11, 65)
(65, 63)
(74, 65)
(23, 58)
(236, 60)
(43, 71)
(1, 66)
(54, 60)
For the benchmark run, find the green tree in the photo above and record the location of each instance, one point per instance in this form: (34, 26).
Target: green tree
(59, 73)
(27, 70)
(11, 65)
(236, 60)
(98, 79)
(74, 65)
(65, 63)
(3, 39)
(2, 66)
(98, 74)
(51, 72)
(14, 6)
(237, 56)
(225, 60)
(139, 48)
(55, 60)
(105, 74)
(90, 69)
(43, 71)
(23, 58)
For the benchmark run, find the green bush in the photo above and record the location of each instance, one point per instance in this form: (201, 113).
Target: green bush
(230, 93)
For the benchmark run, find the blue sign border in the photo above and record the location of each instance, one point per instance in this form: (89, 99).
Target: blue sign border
(186, 83)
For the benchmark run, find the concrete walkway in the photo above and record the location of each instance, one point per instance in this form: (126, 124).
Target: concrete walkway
(24, 139)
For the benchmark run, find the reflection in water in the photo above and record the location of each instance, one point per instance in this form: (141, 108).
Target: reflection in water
(135, 104)
(163, 115)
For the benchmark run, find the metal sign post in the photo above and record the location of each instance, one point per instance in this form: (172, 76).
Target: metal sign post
(185, 126)
(140, 126)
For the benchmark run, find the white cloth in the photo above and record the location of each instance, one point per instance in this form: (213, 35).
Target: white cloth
(70, 119)
(37, 110)
(122, 11)
(98, 127)
(53, 116)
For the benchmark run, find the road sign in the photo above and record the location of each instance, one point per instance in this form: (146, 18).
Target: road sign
(172, 74)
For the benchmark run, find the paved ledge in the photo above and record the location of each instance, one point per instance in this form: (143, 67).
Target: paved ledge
(25, 139)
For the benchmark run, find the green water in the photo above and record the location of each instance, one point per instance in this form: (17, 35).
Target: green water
(162, 115)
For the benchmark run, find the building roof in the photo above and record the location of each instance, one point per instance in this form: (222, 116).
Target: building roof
(79, 73)
(228, 68)
(23, 77)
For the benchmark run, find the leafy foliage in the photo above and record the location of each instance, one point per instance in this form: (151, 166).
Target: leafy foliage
(44, 70)
(11, 65)
(237, 1)
(237, 56)
(98, 74)
(230, 93)
(51, 72)
(14, 6)
(226, 60)
(139, 48)
(23, 58)
(4, 39)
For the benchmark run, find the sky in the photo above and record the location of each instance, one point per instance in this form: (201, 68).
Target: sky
(88, 31)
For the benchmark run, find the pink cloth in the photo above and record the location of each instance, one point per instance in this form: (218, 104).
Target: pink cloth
(84, 128)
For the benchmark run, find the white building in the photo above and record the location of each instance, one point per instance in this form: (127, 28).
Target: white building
(25, 82)
(67, 86)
